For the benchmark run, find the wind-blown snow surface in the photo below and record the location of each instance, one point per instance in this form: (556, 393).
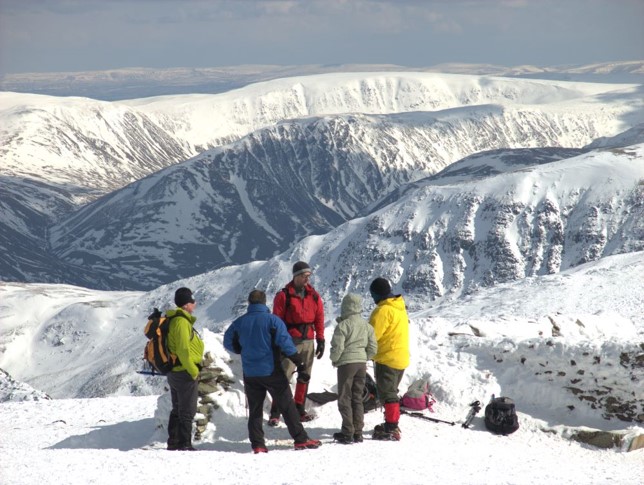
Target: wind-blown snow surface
(597, 309)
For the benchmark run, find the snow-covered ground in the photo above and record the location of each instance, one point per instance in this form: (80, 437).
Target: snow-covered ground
(99, 441)
(528, 340)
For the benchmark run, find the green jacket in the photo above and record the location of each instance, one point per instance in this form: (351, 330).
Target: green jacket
(353, 340)
(184, 342)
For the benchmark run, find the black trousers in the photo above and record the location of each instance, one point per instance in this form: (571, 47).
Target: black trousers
(280, 391)
(184, 394)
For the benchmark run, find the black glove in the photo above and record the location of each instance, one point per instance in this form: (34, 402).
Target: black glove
(319, 349)
(302, 375)
(296, 359)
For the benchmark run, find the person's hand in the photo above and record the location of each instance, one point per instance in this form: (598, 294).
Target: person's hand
(302, 375)
(319, 349)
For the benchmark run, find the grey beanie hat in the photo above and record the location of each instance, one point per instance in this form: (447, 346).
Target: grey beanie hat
(301, 267)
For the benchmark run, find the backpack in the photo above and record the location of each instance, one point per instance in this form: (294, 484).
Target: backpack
(156, 353)
(501, 416)
(370, 396)
(418, 396)
(303, 328)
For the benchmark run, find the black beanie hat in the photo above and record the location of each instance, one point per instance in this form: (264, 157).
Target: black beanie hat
(380, 287)
(183, 296)
(301, 267)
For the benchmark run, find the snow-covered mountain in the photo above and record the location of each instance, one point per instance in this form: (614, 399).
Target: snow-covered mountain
(68, 144)
(438, 243)
(103, 145)
(253, 199)
(518, 246)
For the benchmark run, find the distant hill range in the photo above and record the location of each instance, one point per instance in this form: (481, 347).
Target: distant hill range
(131, 83)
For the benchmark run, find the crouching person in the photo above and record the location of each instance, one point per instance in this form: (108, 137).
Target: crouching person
(259, 336)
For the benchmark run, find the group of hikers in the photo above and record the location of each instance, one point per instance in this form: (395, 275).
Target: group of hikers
(276, 345)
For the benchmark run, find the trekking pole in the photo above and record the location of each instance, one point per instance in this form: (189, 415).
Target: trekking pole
(426, 418)
(475, 407)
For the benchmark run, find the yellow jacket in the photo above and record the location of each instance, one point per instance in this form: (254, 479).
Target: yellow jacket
(391, 325)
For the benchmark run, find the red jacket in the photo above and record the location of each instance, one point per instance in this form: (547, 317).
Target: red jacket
(304, 317)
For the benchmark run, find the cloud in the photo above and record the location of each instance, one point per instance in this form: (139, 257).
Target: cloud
(58, 34)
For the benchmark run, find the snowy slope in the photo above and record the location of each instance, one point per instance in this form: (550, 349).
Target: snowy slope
(560, 214)
(255, 198)
(100, 144)
(534, 336)
(74, 149)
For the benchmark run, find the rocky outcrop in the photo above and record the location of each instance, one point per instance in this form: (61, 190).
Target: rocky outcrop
(12, 390)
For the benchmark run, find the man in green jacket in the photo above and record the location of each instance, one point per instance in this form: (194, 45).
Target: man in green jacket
(187, 347)
(391, 326)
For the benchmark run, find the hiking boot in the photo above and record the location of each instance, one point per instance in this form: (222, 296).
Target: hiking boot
(260, 449)
(394, 430)
(381, 433)
(306, 417)
(274, 422)
(187, 448)
(308, 445)
(357, 438)
(343, 438)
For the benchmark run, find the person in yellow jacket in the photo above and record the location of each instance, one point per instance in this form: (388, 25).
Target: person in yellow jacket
(391, 325)
(185, 343)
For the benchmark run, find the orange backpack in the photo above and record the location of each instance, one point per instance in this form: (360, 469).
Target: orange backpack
(156, 354)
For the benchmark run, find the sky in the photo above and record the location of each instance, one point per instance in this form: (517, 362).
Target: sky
(81, 35)
(121, 438)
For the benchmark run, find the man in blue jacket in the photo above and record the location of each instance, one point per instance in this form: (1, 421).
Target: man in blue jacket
(259, 336)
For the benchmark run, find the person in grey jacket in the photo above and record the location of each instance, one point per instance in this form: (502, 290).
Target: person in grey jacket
(353, 344)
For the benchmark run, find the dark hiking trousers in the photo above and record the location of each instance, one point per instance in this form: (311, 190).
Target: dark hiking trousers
(387, 382)
(351, 379)
(183, 390)
(278, 387)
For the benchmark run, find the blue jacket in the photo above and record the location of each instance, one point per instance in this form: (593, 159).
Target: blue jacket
(253, 334)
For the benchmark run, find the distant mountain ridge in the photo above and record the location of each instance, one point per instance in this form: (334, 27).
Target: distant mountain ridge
(132, 83)
(354, 137)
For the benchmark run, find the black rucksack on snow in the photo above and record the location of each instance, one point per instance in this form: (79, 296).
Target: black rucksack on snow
(156, 353)
(501, 416)
(370, 396)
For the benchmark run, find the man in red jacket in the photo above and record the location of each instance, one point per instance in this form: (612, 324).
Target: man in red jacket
(301, 308)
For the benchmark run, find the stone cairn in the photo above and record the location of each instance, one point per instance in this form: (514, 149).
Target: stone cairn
(212, 379)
